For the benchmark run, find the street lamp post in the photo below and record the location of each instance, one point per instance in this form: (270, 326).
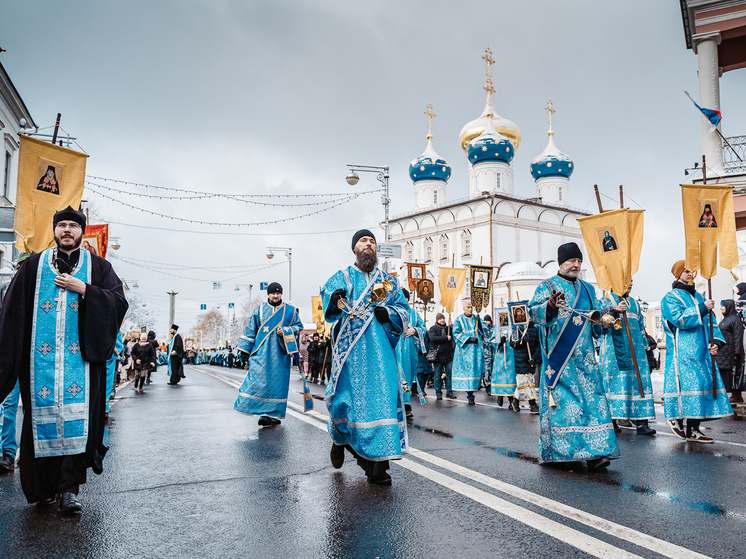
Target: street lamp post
(382, 174)
(289, 254)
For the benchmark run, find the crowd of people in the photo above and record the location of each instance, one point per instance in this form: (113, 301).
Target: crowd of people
(593, 375)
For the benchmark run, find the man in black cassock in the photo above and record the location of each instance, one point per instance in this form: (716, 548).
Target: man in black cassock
(63, 426)
(175, 356)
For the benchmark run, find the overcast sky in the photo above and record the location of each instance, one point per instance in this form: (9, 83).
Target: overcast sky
(257, 97)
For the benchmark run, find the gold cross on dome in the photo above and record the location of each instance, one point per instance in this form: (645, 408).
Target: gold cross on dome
(550, 109)
(489, 61)
(430, 116)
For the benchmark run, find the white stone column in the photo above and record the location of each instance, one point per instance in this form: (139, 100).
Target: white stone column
(705, 45)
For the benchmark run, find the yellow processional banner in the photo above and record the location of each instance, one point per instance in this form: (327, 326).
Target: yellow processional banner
(451, 282)
(50, 178)
(317, 312)
(613, 240)
(709, 219)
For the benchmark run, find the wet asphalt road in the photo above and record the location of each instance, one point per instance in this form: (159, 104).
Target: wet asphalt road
(186, 476)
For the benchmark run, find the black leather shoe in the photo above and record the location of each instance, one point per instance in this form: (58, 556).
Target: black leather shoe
(500, 401)
(439, 397)
(266, 421)
(644, 429)
(337, 455)
(451, 396)
(49, 501)
(7, 463)
(69, 504)
(598, 464)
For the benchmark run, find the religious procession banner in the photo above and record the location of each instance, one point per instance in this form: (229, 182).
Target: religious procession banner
(518, 316)
(50, 178)
(452, 282)
(614, 242)
(709, 219)
(480, 279)
(96, 239)
(425, 290)
(415, 273)
(317, 312)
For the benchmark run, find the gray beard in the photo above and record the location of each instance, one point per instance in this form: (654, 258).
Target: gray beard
(367, 262)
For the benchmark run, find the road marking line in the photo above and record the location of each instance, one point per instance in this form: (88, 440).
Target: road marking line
(570, 536)
(575, 538)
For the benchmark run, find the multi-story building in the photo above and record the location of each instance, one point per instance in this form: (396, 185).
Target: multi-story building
(14, 116)
(518, 234)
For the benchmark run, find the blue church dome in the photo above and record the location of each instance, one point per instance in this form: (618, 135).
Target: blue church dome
(429, 166)
(490, 145)
(552, 162)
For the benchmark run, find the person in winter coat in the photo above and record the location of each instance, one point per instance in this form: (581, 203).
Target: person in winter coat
(489, 352)
(526, 350)
(441, 337)
(741, 288)
(730, 355)
(153, 342)
(315, 361)
(650, 346)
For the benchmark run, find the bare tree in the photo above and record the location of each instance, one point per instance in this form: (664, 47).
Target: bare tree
(214, 327)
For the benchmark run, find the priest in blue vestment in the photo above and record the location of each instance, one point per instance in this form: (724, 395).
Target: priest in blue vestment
(574, 413)
(468, 358)
(688, 381)
(269, 340)
(58, 327)
(503, 369)
(409, 351)
(364, 397)
(629, 409)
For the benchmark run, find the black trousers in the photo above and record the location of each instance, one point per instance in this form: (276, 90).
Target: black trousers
(61, 474)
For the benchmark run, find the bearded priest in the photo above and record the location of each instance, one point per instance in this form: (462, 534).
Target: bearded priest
(58, 327)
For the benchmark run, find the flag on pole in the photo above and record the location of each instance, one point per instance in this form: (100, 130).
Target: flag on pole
(613, 240)
(710, 114)
(480, 279)
(50, 178)
(317, 309)
(709, 219)
(451, 282)
(96, 239)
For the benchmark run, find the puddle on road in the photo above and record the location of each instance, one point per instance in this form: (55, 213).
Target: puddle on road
(473, 442)
(708, 508)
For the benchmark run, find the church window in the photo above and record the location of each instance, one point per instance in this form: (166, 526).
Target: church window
(435, 197)
(560, 194)
(467, 247)
(428, 254)
(410, 255)
(497, 180)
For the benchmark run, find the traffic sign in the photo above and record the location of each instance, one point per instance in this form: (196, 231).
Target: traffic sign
(389, 250)
(203, 307)
(231, 305)
(263, 286)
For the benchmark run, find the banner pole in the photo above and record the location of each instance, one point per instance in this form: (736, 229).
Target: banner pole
(626, 321)
(598, 199)
(56, 128)
(712, 314)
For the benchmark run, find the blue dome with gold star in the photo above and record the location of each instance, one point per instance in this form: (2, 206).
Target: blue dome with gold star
(552, 162)
(490, 145)
(429, 166)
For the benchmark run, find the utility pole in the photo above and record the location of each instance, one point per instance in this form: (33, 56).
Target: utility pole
(171, 308)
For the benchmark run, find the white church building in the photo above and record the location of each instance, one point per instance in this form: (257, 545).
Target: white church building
(515, 232)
